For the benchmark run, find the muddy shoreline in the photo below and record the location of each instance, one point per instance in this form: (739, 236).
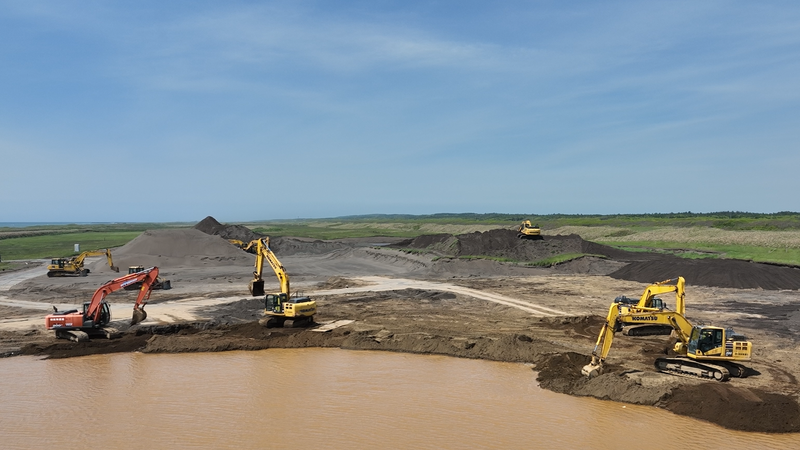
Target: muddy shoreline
(423, 297)
(724, 404)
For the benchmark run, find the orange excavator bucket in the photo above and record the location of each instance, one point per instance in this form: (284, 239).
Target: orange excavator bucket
(115, 268)
(139, 314)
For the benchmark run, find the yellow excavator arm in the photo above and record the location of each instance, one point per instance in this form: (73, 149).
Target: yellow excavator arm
(676, 285)
(264, 253)
(679, 323)
(79, 259)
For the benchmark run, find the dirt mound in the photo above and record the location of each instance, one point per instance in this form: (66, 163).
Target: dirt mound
(640, 266)
(500, 243)
(727, 273)
(737, 408)
(210, 225)
(295, 246)
(182, 247)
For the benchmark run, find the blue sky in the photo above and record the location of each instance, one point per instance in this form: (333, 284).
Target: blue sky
(172, 111)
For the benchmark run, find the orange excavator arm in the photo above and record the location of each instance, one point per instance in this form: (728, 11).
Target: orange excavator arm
(147, 277)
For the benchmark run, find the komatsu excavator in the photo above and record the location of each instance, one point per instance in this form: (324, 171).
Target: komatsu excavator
(282, 306)
(707, 352)
(649, 302)
(527, 231)
(60, 267)
(93, 320)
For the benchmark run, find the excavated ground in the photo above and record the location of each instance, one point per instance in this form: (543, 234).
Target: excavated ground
(427, 300)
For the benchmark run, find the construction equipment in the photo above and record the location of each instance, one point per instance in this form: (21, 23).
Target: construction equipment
(249, 247)
(81, 325)
(159, 283)
(706, 352)
(60, 267)
(527, 231)
(282, 306)
(649, 302)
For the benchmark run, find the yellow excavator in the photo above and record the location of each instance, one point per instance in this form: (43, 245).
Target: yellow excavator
(158, 283)
(248, 247)
(282, 306)
(707, 352)
(527, 231)
(60, 267)
(649, 302)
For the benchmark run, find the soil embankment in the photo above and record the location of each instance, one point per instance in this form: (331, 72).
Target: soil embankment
(451, 322)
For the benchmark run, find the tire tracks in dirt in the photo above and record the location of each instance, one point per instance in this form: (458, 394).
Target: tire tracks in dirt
(376, 284)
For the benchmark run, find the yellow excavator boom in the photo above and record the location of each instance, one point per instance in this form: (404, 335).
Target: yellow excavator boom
(264, 253)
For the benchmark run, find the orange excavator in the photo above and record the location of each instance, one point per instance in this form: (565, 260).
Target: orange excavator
(93, 320)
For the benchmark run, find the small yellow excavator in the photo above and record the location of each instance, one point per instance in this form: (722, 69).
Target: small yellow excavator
(706, 352)
(248, 247)
(649, 302)
(158, 283)
(60, 267)
(282, 306)
(527, 231)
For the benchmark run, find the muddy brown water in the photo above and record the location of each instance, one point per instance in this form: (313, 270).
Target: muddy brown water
(327, 398)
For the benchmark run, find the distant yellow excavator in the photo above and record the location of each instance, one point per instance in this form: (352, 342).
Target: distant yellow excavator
(60, 267)
(527, 231)
(248, 247)
(707, 352)
(282, 306)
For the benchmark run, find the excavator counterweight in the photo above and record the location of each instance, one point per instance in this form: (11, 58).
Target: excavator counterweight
(527, 231)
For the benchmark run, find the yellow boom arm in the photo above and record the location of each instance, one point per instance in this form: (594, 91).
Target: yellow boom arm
(263, 253)
(79, 259)
(676, 285)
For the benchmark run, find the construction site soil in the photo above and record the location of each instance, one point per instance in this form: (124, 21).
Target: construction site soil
(423, 296)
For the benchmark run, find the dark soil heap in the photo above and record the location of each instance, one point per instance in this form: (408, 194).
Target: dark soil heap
(210, 225)
(643, 267)
(728, 273)
(737, 408)
(500, 243)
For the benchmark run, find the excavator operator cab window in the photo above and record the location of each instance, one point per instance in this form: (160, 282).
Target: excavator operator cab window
(273, 302)
(656, 302)
(709, 340)
(693, 340)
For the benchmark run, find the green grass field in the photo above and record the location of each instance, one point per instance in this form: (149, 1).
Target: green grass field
(758, 237)
(58, 245)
